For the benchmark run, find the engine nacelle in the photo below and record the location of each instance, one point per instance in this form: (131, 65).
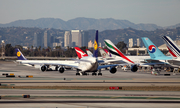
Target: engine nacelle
(134, 68)
(61, 69)
(43, 68)
(113, 70)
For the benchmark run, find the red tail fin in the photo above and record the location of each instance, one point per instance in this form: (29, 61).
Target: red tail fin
(80, 53)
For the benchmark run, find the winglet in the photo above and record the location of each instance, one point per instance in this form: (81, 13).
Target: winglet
(95, 52)
(80, 53)
(20, 56)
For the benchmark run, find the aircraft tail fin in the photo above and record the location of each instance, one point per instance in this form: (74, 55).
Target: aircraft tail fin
(115, 51)
(172, 46)
(108, 52)
(20, 56)
(89, 53)
(153, 50)
(103, 53)
(95, 52)
(80, 53)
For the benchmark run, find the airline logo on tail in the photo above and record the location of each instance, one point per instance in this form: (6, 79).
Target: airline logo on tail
(103, 53)
(152, 49)
(95, 52)
(95, 45)
(107, 52)
(80, 53)
(20, 56)
(114, 50)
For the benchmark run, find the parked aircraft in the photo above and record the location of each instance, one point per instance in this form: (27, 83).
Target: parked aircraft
(157, 57)
(43, 64)
(118, 55)
(136, 59)
(85, 64)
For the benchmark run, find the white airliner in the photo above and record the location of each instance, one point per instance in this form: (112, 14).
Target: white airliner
(85, 64)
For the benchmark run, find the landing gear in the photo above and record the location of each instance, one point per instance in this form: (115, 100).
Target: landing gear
(99, 72)
(56, 68)
(94, 74)
(77, 73)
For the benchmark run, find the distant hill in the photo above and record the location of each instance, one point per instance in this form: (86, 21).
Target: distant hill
(172, 27)
(24, 36)
(81, 24)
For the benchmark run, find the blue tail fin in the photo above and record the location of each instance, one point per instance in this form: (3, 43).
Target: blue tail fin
(20, 56)
(153, 50)
(95, 52)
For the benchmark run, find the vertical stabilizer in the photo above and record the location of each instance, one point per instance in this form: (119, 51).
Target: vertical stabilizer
(152, 49)
(108, 52)
(20, 56)
(89, 52)
(95, 52)
(115, 51)
(172, 46)
(103, 53)
(80, 53)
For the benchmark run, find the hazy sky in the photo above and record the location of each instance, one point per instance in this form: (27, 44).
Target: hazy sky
(160, 12)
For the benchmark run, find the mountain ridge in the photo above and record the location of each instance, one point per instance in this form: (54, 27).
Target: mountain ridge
(82, 23)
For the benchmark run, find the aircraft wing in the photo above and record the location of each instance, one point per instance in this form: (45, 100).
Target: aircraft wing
(163, 64)
(61, 64)
(53, 62)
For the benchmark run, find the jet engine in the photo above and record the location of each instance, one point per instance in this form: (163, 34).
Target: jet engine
(61, 69)
(43, 68)
(134, 68)
(113, 70)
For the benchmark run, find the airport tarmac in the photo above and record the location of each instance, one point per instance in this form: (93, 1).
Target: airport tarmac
(63, 98)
